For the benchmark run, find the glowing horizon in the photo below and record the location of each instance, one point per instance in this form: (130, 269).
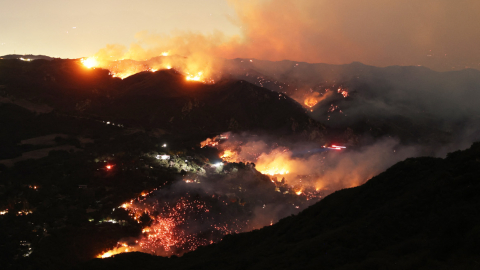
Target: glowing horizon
(440, 35)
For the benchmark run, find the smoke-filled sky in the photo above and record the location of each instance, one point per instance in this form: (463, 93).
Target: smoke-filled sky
(441, 34)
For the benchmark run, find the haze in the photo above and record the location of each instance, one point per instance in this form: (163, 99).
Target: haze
(439, 34)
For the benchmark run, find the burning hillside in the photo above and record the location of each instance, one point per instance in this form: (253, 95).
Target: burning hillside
(256, 184)
(197, 63)
(128, 67)
(310, 167)
(200, 210)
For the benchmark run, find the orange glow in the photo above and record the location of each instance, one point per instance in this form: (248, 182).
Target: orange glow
(121, 248)
(229, 156)
(164, 235)
(278, 162)
(197, 77)
(108, 167)
(90, 62)
(312, 99)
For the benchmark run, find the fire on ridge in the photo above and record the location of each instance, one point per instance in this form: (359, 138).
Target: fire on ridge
(123, 68)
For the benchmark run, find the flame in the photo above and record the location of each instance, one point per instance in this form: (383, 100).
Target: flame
(121, 248)
(197, 77)
(278, 162)
(312, 99)
(90, 62)
(165, 234)
(229, 156)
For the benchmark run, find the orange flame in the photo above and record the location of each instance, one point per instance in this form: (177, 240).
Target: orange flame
(90, 62)
(314, 98)
(122, 248)
(229, 156)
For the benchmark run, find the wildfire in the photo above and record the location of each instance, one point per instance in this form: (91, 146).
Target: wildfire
(274, 171)
(229, 156)
(168, 233)
(213, 142)
(90, 62)
(197, 77)
(121, 248)
(122, 65)
(277, 162)
(314, 98)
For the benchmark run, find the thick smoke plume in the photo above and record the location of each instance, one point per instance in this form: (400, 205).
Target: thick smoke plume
(438, 34)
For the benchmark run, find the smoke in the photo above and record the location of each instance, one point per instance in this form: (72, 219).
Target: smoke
(199, 210)
(438, 34)
(303, 165)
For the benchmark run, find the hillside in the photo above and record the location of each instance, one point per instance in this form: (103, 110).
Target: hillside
(149, 100)
(413, 103)
(421, 213)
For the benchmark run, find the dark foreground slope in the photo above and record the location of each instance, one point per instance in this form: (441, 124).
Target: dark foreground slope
(422, 213)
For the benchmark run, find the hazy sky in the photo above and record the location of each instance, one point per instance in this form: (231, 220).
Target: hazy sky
(72, 28)
(440, 34)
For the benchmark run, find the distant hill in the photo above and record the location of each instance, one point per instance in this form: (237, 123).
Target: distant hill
(421, 213)
(26, 56)
(413, 103)
(162, 99)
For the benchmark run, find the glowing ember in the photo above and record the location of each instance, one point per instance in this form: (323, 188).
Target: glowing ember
(168, 232)
(90, 62)
(108, 167)
(164, 53)
(343, 92)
